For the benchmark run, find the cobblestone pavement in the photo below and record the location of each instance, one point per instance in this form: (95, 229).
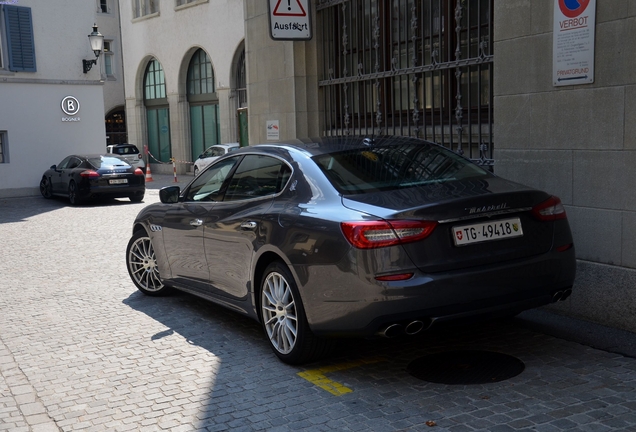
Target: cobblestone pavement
(82, 349)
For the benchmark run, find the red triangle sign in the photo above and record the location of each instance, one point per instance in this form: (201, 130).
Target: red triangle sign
(289, 8)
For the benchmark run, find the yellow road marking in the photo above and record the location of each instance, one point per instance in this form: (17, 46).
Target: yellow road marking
(318, 376)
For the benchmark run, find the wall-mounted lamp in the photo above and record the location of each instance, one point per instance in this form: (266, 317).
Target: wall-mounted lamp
(97, 45)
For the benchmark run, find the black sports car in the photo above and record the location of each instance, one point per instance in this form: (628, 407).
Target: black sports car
(353, 237)
(82, 177)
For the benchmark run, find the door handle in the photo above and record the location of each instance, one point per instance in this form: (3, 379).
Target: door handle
(248, 225)
(196, 222)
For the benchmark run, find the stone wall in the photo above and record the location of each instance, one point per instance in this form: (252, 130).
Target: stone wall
(577, 142)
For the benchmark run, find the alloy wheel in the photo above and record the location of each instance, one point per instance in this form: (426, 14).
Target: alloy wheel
(279, 313)
(45, 188)
(142, 265)
(72, 193)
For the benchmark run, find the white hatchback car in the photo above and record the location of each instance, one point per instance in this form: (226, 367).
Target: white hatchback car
(130, 153)
(211, 154)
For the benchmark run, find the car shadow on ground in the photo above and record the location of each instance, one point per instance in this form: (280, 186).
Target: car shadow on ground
(19, 209)
(212, 327)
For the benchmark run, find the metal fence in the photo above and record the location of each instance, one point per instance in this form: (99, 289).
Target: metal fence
(421, 68)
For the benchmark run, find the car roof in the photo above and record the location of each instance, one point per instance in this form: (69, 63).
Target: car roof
(323, 145)
(226, 145)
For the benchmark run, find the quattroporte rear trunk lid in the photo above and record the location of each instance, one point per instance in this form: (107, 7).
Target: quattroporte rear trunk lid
(481, 221)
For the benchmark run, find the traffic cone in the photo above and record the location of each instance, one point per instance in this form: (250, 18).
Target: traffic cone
(148, 174)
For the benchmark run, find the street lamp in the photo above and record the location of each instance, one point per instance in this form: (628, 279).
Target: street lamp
(97, 45)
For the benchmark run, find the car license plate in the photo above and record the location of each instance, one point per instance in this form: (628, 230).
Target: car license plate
(118, 181)
(487, 231)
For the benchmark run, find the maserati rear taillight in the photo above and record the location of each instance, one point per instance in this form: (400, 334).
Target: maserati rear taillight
(549, 210)
(377, 234)
(138, 171)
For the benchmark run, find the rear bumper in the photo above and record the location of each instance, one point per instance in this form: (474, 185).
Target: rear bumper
(114, 191)
(339, 303)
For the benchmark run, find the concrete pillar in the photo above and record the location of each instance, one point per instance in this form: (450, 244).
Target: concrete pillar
(282, 80)
(180, 132)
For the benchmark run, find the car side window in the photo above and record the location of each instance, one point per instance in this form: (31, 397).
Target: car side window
(208, 185)
(257, 176)
(64, 163)
(73, 163)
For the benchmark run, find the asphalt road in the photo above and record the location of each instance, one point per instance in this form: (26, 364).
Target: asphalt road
(82, 350)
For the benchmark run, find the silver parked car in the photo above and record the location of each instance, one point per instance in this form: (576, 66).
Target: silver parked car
(353, 237)
(130, 153)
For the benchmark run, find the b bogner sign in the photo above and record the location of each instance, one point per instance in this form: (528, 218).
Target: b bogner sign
(573, 42)
(289, 19)
(70, 107)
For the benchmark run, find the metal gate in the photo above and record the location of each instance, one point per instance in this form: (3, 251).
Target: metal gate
(420, 68)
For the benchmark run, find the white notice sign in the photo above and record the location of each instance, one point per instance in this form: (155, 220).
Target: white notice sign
(573, 42)
(273, 132)
(289, 19)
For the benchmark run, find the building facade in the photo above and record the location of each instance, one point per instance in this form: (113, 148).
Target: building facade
(35, 132)
(111, 68)
(184, 61)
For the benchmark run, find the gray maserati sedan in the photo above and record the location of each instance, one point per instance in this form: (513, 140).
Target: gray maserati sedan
(353, 237)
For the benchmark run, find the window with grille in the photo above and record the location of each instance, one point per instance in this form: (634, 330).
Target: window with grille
(409, 67)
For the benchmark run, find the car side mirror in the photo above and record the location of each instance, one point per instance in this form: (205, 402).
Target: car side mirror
(169, 194)
(54, 167)
(201, 156)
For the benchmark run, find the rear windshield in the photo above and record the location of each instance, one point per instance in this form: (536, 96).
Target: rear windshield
(124, 150)
(108, 162)
(386, 168)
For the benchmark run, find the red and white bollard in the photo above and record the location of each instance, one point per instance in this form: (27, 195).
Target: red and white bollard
(174, 170)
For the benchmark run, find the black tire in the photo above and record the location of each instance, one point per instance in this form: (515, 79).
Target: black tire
(284, 321)
(72, 193)
(136, 198)
(45, 188)
(141, 263)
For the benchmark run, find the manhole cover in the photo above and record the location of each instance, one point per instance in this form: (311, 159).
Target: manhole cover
(466, 367)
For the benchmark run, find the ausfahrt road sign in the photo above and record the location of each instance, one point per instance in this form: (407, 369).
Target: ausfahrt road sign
(289, 19)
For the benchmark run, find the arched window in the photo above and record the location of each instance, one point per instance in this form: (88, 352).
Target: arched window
(157, 113)
(200, 74)
(204, 104)
(154, 81)
(241, 81)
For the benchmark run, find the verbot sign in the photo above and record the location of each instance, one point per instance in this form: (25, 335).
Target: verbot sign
(573, 42)
(289, 19)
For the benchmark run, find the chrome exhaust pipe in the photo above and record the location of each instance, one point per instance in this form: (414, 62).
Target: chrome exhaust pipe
(391, 331)
(566, 294)
(414, 327)
(557, 296)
